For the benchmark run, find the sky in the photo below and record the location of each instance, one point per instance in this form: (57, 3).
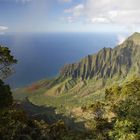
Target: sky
(69, 16)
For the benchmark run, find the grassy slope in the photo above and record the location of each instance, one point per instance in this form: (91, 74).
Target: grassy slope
(78, 95)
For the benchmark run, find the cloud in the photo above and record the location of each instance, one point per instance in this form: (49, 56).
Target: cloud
(2, 28)
(114, 11)
(70, 19)
(75, 11)
(121, 39)
(118, 12)
(99, 20)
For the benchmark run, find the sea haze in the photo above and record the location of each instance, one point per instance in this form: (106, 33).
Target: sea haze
(42, 55)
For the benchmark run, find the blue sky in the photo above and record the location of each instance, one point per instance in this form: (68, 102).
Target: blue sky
(69, 16)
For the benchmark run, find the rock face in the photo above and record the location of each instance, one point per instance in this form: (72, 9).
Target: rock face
(121, 61)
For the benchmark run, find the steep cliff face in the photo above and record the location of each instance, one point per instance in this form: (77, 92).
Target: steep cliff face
(108, 62)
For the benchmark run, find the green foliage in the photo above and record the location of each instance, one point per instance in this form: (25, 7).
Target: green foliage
(12, 121)
(6, 98)
(113, 93)
(127, 111)
(6, 61)
(15, 125)
(54, 131)
(123, 103)
(97, 108)
(124, 130)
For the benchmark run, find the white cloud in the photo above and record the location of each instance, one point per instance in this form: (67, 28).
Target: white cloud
(121, 39)
(75, 11)
(70, 19)
(2, 28)
(118, 12)
(115, 11)
(99, 20)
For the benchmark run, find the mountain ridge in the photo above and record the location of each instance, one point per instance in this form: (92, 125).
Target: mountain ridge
(107, 62)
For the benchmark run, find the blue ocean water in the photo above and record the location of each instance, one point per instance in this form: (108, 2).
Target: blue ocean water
(42, 55)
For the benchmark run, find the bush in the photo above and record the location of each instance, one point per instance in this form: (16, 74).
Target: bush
(6, 98)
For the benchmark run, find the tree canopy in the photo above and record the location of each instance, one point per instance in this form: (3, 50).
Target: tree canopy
(6, 61)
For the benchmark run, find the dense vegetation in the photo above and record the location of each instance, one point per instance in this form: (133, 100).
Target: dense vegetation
(118, 117)
(125, 104)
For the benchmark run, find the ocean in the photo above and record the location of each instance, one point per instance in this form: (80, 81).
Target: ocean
(41, 55)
